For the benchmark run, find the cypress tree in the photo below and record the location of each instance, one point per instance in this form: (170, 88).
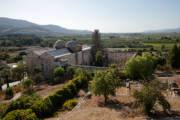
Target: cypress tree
(174, 57)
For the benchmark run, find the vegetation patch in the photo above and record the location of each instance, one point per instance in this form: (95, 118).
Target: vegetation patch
(70, 104)
(21, 115)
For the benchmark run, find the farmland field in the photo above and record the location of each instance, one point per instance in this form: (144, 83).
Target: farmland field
(157, 46)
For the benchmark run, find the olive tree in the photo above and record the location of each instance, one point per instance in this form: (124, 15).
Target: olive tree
(105, 83)
(150, 95)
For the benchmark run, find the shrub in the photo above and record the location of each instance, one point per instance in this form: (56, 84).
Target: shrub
(43, 108)
(72, 87)
(77, 82)
(9, 93)
(38, 78)
(149, 95)
(69, 104)
(21, 103)
(99, 58)
(70, 72)
(57, 100)
(65, 92)
(21, 115)
(59, 74)
(28, 86)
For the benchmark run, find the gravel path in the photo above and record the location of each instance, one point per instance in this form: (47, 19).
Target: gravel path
(10, 84)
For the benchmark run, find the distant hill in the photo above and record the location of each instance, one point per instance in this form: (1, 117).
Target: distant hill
(13, 26)
(175, 30)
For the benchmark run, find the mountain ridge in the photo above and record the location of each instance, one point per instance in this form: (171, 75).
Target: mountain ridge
(10, 26)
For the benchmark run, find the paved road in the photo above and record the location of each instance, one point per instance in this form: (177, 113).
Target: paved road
(10, 84)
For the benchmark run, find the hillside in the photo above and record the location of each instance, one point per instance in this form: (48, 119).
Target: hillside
(175, 30)
(13, 26)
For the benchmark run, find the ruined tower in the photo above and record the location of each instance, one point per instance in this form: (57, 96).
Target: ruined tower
(96, 39)
(96, 44)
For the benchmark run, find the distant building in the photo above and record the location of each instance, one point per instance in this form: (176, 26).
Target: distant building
(62, 54)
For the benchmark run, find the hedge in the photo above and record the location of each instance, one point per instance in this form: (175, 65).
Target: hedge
(21, 115)
(21, 103)
(47, 106)
(69, 104)
(43, 108)
(51, 103)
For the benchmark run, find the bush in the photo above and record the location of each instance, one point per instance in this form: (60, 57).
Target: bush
(38, 78)
(57, 100)
(70, 104)
(70, 72)
(59, 72)
(43, 108)
(72, 87)
(21, 103)
(65, 92)
(9, 93)
(28, 86)
(78, 72)
(99, 59)
(59, 75)
(149, 95)
(21, 115)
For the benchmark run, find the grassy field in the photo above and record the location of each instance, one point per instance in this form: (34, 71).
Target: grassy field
(157, 46)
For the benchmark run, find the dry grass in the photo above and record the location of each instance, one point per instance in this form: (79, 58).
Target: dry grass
(46, 89)
(2, 95)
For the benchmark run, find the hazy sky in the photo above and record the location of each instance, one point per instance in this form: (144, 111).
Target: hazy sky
(106, 15)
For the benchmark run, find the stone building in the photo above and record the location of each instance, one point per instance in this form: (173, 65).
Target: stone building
(46, 59)
(71, 53)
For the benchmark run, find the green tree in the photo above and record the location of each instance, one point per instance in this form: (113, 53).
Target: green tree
(9, 93)
(105, 83)
(163, 47)
(99, 58)
(59, 74)
(141, 66)
(70, 72)
(174, 57)
(37, 78)
(18, 72)
(150, 95)
(1, 83)
(28, 86)
(6, 74)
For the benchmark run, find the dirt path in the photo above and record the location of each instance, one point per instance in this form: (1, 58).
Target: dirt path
(45, 90)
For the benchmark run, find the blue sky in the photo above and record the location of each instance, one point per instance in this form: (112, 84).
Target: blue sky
(106, 15)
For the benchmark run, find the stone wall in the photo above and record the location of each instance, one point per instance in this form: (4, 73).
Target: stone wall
(91, 68)
(79, 58)
(120, 58)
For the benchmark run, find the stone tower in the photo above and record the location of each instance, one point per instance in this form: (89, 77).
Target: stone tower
(96, 45)
(96, 40)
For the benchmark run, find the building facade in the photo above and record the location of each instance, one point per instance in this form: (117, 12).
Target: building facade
(46, 59)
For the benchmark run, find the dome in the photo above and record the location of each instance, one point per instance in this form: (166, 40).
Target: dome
(73, 46)
(59, 44)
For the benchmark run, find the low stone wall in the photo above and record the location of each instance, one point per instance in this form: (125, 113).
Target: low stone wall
(91, 68)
